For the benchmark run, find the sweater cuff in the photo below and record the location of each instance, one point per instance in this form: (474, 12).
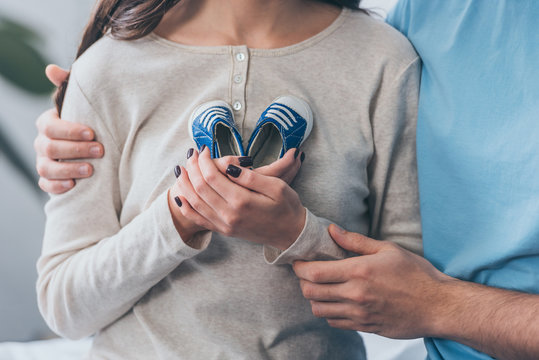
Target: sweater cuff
(168, 233)
(314, 243)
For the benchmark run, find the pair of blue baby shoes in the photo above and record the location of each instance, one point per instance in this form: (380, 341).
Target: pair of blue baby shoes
(284, 125)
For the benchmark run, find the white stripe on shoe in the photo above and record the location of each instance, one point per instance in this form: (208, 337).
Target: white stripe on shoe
(210, 114)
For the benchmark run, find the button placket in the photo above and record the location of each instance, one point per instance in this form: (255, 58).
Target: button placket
(240, 57)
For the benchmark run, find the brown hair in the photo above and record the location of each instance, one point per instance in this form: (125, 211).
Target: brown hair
(134, 19)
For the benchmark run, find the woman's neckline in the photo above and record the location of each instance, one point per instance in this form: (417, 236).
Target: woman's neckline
(225, 49)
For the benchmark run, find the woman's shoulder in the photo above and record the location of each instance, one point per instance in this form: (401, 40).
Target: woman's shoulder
(111, 63)
(369, 34)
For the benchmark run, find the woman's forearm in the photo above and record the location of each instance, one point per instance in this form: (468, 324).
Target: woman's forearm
(87, 283)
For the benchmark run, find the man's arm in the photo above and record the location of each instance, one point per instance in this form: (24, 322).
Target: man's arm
(395, 293)
(62, 140)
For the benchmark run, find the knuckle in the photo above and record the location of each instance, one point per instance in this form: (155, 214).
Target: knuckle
(43, 184)
(358, 296)
(308, 291)
(314, 274)
(227, 231)
(239, 205)
(316, 309)
(42, 170)
(49, 148)
(72, 132)
(232, 219)
(390, 246)
(210, 177)
(362, 272)
(281, 189)
(199, 185)
(196, 203)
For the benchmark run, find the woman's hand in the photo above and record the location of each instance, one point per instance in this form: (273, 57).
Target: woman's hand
(61, 140)
(243, 203)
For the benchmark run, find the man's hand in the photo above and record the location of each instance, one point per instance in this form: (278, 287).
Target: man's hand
(62, 140)
(388, 290)
(395, 293)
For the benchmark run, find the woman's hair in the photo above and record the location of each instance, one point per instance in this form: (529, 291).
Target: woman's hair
(134, 19)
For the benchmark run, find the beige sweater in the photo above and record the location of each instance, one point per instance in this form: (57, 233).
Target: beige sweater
(112, 261)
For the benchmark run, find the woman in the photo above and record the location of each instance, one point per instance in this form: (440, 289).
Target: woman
(120, 258)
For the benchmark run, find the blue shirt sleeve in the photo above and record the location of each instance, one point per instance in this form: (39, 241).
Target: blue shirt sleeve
(399, 16)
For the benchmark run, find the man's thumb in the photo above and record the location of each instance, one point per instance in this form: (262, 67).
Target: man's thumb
(56, 74)
(354, 242)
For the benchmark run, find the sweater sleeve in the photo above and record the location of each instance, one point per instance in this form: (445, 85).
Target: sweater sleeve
(92, 270)
(393, 192)
(393, 187)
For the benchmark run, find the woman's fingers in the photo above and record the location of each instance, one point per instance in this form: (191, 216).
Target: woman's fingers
(285, 168)
(192, 215)
(200, 184)
(241, 161)
(50, 125)
(196, 202)
(56, 74)
(219, 182)
(268, 186)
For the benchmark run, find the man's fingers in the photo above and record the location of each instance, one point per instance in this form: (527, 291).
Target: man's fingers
(56, 74)
(55, 170)
(55, 186)
(323, 292)
(345, 324)
(354, 242)
(63, 150)
(50, 125)
(324, 271)
(332, 309)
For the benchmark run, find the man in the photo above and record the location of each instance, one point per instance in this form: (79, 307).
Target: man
(478, 161)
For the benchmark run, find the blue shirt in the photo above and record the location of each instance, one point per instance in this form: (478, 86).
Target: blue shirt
(477, 142)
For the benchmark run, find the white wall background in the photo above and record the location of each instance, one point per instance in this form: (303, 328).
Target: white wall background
(60, 23)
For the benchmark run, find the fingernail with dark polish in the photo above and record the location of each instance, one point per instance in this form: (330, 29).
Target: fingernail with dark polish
(245, 161)
(203, 148)
(177, 171)
(296, 153)
(302, 158)
(190, 152)
(233, 170)
(178, 201)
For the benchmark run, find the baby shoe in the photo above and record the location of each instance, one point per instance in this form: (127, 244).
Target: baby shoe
(212, 124)
(284, 125)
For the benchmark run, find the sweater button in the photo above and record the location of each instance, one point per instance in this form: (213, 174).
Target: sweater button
(240, 56)
(237, 106)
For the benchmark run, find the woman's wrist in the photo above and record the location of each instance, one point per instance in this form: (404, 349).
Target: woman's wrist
(185, 228)
(293, 233)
